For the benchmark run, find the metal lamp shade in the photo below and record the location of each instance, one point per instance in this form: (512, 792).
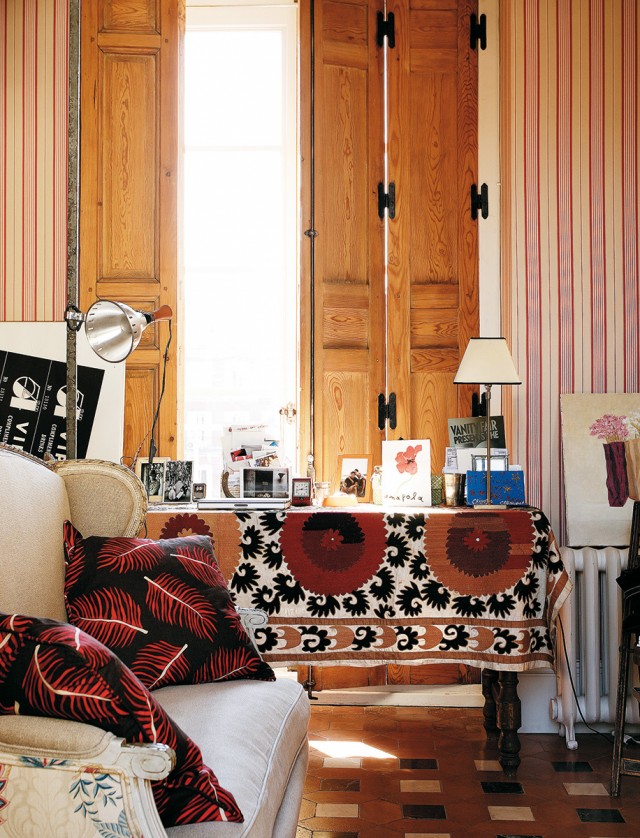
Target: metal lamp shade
(114, 329)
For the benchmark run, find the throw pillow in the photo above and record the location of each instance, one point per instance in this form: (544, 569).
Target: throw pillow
(53, 669)
(162, 606)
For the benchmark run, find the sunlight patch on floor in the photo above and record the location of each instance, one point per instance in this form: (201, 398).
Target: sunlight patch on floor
(341, 749)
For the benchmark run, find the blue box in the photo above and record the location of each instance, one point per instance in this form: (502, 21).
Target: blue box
(506, 487)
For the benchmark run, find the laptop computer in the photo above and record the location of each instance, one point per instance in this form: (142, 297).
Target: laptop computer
(244, 503)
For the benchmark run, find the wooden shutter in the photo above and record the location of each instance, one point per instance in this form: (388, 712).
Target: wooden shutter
(349, 267)
(433, 250)
(415, 335)
(129, 190)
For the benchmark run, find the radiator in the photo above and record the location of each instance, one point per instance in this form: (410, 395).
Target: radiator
(591, 620)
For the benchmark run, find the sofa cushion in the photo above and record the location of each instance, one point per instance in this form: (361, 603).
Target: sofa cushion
(162, 606)
(34, 507)
(255, 734)
(48, 668)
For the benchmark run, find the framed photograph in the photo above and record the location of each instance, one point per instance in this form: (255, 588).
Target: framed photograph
(499, 462)
(355, 476)
(178, 475)
(406, 472)
(265, 483)
(152, 477)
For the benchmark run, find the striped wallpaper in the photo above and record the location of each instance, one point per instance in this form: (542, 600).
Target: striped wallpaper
(33, 158)
(570, 142)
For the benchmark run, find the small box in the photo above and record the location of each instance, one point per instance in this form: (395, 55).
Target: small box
(506, 487)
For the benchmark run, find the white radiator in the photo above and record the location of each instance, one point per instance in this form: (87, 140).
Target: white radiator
(591, 618)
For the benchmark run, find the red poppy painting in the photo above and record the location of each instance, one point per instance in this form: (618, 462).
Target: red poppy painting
(406, 472)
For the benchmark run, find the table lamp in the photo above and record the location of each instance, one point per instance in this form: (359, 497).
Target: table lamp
(487, 361)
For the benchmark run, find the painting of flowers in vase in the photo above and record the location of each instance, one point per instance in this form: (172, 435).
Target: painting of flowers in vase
(406, 472)
(601, 457)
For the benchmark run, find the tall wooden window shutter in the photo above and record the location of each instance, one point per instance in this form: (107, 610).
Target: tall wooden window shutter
(129, 190)
(394, 324)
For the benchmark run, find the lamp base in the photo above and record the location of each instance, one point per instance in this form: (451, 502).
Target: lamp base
(489, 506)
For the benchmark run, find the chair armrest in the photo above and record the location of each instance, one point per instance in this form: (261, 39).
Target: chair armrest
(78, 779)
(252, 619)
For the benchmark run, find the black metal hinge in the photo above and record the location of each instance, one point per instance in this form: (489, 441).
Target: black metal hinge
(386, 29)
(478, 32)
(387, 200)
(386, 410)
(479, 202)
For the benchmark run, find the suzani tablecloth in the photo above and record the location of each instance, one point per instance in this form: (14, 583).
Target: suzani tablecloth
(371, 587)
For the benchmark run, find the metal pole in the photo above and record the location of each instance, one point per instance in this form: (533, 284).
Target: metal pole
(73, 192)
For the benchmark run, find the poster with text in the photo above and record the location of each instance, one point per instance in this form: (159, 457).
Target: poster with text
(33, 404)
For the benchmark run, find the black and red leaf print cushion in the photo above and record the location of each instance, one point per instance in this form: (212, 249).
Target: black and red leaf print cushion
(162, 606)
(54, 669)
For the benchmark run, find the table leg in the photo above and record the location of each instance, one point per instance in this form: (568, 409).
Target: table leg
(489, 711)
(509, 721)
(502, 715)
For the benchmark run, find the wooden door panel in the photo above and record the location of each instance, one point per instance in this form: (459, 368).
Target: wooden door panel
(349, 266)
(346, 417)
(130, 166)
(128, 15)
(433, 402)
(432, 240)
(129, 191)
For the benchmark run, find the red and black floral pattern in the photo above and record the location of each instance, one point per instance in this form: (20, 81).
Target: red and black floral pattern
(162, 606)
(53, 669)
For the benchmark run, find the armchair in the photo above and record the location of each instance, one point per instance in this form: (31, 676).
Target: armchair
(68, 778)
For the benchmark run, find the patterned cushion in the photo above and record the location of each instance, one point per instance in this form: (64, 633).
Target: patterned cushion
(162, 606)
(48, 668)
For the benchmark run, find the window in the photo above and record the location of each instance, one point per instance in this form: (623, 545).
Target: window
(240, 227)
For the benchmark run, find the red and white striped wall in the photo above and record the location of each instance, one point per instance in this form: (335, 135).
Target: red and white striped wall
(33, 158)
(570, 145)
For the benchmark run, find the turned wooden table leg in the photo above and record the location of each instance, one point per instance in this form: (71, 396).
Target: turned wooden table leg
(509, 720)
(489, 711)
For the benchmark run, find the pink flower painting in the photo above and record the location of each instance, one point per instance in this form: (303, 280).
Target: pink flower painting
(406, 460)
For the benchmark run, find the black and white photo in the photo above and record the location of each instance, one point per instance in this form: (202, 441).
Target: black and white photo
(178, 476)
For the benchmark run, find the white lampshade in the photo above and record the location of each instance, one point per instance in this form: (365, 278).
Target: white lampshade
(487, 361)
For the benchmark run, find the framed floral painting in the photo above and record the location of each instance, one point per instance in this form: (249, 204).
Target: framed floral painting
(406, 472)
(600, 450)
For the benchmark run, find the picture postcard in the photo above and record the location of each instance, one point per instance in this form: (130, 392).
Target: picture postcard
(406, 472)
(472, 432)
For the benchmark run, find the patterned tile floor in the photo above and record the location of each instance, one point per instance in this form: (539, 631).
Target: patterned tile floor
(418, 772)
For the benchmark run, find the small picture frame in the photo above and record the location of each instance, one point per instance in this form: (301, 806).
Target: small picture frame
(152, 477)
(354, 472)
(199, 491)
(178, 476)
(499, 462)
(265, 483)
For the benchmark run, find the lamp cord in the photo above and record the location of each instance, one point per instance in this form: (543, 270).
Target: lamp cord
(153, 450)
